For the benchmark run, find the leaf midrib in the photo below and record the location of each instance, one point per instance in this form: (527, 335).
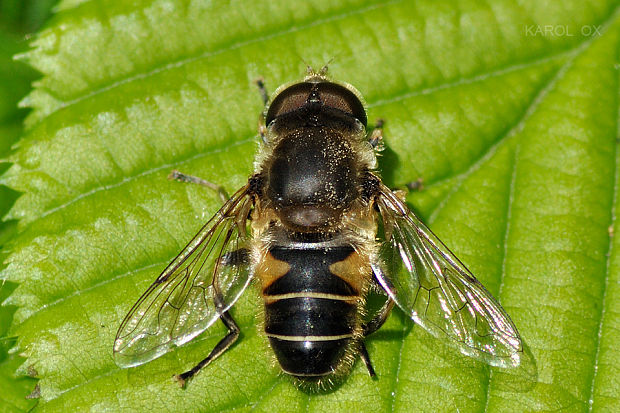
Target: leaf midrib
(514, 130)
(559, 75)
(608, 254)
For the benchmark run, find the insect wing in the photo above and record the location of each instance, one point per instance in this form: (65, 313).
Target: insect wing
(202, 282)
(438, 292)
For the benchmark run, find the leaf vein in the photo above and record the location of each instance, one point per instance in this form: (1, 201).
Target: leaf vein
(186, 60)
(510, 132)
(609, 256)
(146, 172)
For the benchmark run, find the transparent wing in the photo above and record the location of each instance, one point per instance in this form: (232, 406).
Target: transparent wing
(438, 292)
(202, 282)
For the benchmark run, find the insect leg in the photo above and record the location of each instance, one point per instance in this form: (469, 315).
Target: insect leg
(366, 359)
(375, 137)
(262, 128)
(262, 90)
(230, 258)
(369, 328)
(181, 177)
(236, 257)
(374, 324)
(221, 347)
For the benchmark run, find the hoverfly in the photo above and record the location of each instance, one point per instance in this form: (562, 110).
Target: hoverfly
(317, 228)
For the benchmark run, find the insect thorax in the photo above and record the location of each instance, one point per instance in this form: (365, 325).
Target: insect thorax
(313, 169)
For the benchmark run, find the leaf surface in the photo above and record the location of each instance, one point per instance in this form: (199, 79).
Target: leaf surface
(512, 129)
(16, 18)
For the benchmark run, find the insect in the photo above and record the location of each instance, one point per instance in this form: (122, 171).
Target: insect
(317, 229)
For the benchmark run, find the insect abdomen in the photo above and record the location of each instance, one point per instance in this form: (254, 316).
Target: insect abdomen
(310, 311)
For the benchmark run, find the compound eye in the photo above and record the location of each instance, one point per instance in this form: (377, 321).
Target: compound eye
(329, 94)
(288, 100)
(341, 98)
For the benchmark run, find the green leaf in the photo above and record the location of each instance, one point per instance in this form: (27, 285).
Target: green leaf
(508, 113)
(16, 18)
(14, 389)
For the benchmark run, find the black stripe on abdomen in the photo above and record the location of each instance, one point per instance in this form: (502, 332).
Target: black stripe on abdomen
(309, 271)
(309, 336)
(306, 316)
(310, 312)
